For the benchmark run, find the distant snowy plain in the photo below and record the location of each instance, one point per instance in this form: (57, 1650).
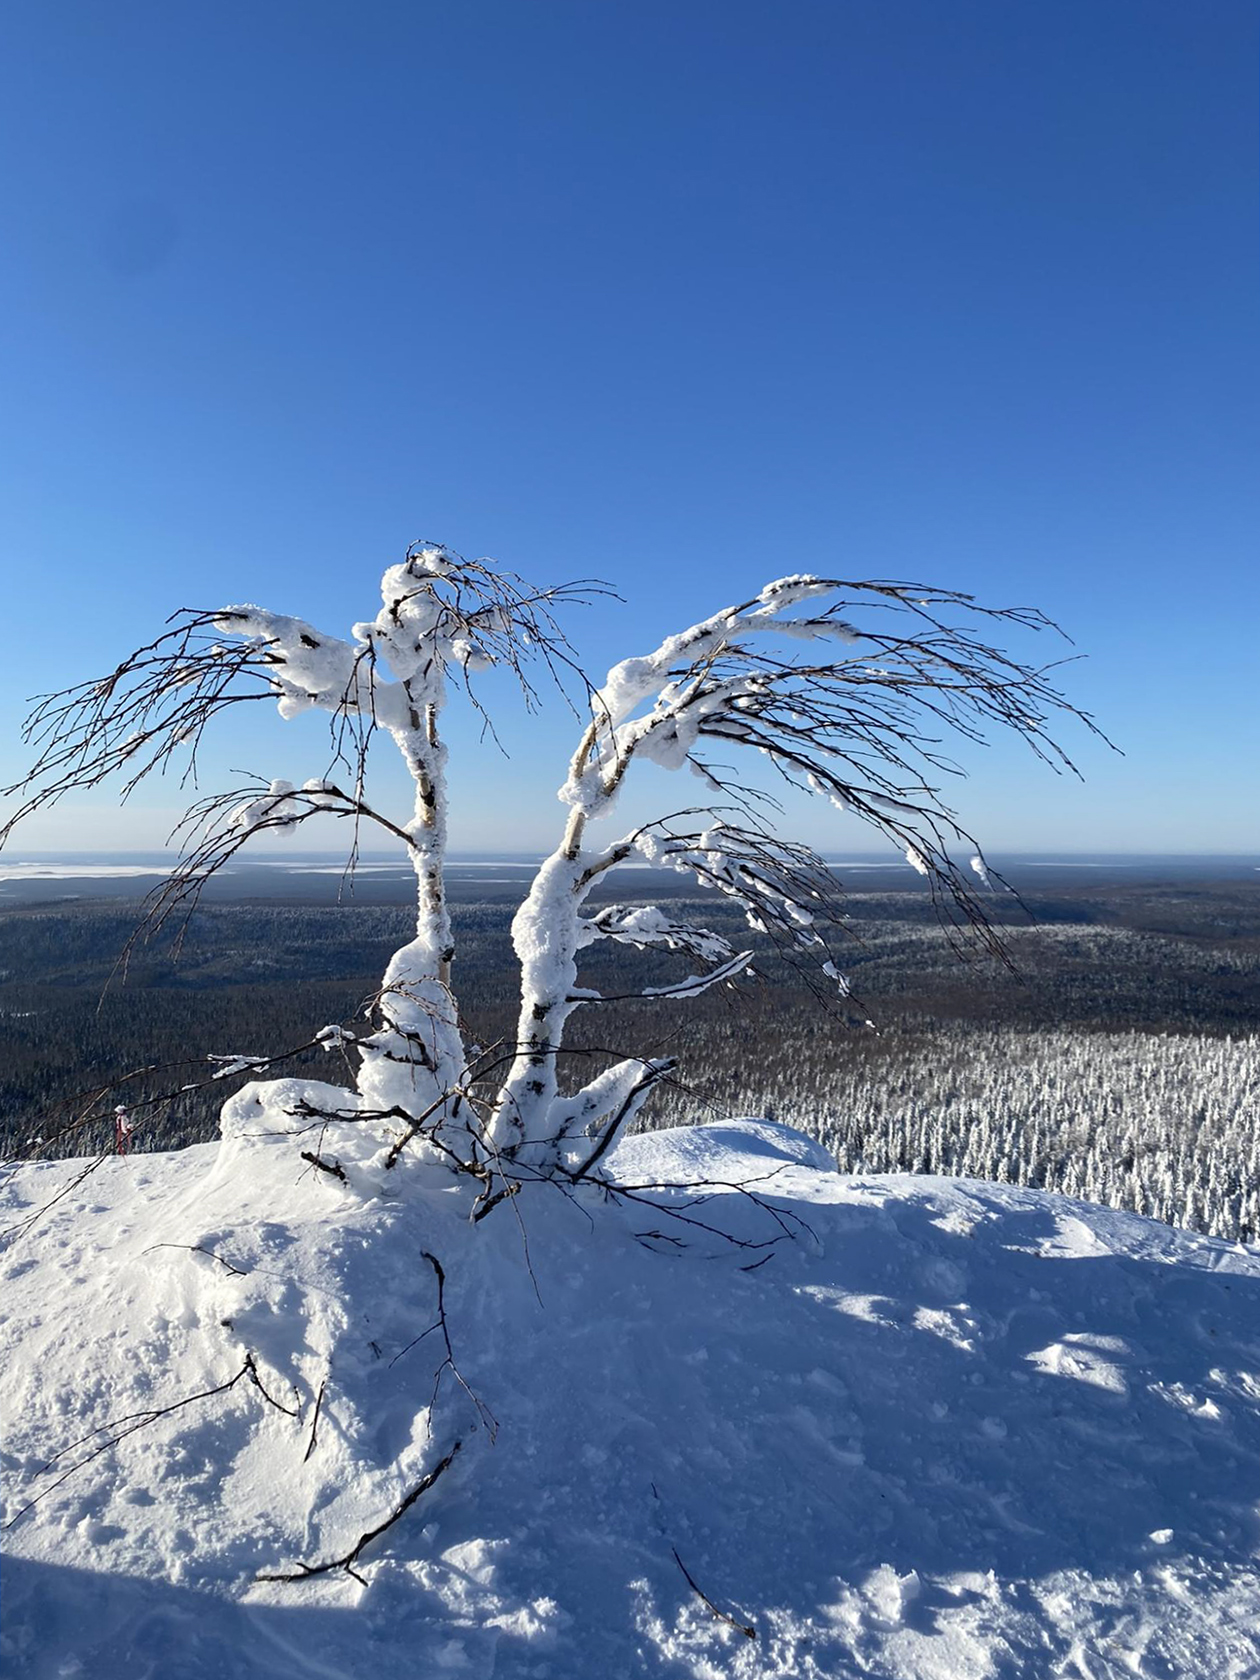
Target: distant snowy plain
(915, 1428)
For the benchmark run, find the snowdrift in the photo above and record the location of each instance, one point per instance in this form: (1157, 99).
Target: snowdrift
(901, 1427)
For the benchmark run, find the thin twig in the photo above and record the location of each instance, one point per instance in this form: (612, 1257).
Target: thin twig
(746, 1628)
(120, 1428)
(483, 1411)
(319, 1401)
(305, 1571)
(196, 1248)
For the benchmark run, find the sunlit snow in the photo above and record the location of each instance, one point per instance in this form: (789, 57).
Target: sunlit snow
(913, 1428)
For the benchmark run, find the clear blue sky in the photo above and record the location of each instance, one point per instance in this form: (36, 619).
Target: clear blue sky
(684, 295)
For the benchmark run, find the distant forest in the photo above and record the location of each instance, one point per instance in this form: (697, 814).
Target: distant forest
(1120, 1062)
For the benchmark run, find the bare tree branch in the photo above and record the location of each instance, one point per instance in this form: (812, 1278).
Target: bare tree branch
(306, 1571)
(746, 1628)
(118, 1429)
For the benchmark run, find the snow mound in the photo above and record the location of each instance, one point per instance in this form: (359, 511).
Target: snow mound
(730, 1150)
(740, 1416)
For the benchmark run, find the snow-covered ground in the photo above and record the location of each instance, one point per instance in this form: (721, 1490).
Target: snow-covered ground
(934, 1428)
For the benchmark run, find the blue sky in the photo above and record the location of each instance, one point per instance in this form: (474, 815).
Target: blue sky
(684, 296)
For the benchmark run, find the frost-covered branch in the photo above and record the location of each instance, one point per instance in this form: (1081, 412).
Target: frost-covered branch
(862, 727)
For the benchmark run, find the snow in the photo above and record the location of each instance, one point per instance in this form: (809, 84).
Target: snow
(914, 1428)
(77, 871)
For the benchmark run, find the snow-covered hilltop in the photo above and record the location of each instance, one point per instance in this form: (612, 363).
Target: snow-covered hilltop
(897, 1427)
(298, 1405)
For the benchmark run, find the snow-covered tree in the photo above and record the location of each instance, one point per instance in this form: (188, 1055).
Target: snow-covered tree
(843, 689)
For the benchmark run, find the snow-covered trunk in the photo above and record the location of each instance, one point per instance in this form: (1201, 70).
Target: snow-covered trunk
(545, 935)
(417, 1056)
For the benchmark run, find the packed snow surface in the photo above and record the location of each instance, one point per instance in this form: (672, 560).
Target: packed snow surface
(901, 1427)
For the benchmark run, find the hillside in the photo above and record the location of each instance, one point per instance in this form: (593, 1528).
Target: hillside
(900, 1427)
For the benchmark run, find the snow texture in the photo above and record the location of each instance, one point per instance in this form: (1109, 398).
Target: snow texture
(918, 1429)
